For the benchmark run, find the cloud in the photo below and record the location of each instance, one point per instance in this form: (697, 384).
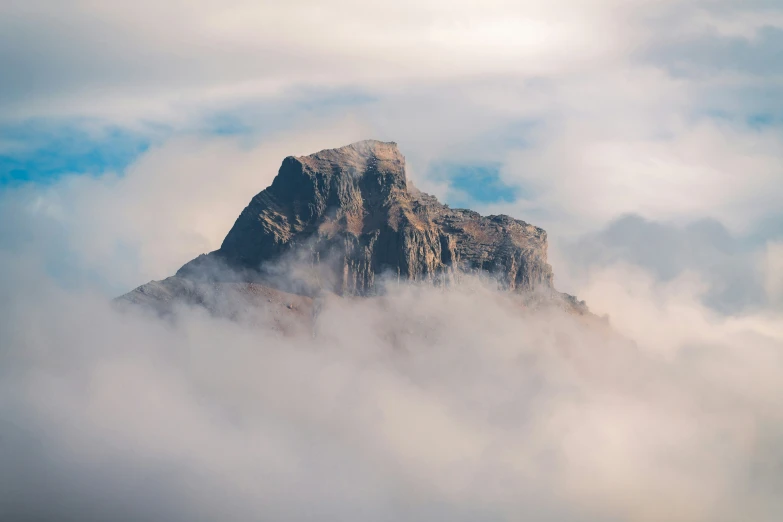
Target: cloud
(148, 59)
(216, 49)
(773, 271)
(588, 173)
(176, 201)
(727, 263)
(425, 404)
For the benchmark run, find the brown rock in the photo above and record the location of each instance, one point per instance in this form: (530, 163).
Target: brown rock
(342, 219)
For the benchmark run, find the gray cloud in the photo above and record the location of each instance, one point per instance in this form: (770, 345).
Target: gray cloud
(730, 265)
(759, 56)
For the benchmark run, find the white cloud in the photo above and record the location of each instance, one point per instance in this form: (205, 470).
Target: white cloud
(692, 170)
(137, 59)
(175, 202)
(426, 404)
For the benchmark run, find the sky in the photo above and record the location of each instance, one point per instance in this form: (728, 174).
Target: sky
(570, 115)
(645, 136)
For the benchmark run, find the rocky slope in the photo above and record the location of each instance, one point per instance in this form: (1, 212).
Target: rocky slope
(343, 220)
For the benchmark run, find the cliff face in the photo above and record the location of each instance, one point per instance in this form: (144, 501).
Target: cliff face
(343, 219)
(351, 212)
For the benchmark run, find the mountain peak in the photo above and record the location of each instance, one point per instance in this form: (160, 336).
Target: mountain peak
(349, 215)
(359, 158)
(364, 148)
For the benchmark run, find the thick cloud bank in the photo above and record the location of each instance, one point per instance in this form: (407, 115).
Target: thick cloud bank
(424, 404)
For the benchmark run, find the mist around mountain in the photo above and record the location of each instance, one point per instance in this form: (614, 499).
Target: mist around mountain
(250, 400)
(347, 221)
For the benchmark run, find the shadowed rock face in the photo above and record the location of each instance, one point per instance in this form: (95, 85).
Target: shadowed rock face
(349, 216)
(352, 212)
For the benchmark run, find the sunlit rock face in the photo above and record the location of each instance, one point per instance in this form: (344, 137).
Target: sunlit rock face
(345, 220)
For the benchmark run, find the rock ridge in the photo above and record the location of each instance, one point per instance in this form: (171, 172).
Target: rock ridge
(351, 217)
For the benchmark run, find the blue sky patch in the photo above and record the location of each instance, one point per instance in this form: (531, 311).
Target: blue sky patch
(762, 120)
(43, 152)
(480, 182)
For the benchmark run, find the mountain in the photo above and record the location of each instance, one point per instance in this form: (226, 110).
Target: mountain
(345, 221)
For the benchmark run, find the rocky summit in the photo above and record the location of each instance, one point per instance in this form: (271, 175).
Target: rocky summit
(346, 221)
